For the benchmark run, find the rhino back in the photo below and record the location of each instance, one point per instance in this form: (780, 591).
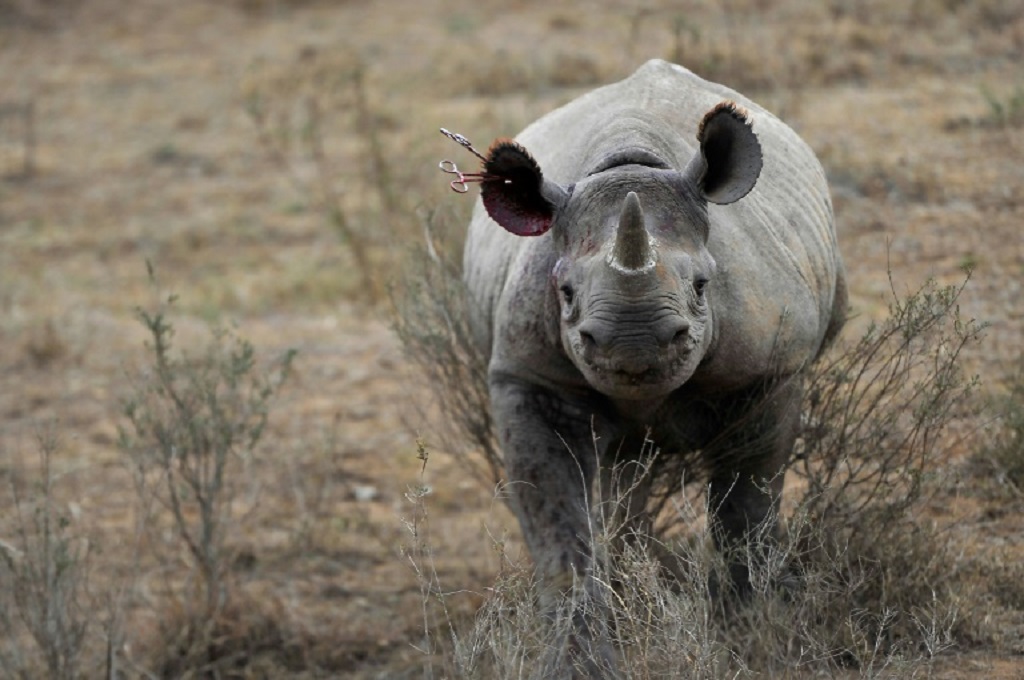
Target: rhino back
(779, 277)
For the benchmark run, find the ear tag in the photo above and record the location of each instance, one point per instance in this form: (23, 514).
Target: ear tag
(460, 184)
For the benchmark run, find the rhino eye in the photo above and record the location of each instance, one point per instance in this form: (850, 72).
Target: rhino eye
(699, 285)
(568, 294)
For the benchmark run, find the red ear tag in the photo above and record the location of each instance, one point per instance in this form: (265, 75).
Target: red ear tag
(510, 185)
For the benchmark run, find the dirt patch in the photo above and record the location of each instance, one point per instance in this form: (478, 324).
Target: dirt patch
(125, 136)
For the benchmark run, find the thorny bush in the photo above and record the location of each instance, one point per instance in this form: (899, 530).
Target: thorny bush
(193, 421)
(869, 582)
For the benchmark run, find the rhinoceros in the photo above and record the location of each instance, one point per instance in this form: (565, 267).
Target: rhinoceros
(656, 261)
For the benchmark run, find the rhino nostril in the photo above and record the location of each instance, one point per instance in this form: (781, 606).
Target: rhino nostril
(681, 334)
(588, 346)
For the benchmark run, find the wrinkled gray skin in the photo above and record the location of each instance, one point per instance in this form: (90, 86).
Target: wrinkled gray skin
(656, 303)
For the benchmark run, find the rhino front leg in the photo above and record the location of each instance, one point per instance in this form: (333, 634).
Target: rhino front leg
(551, 463)
(748, 467)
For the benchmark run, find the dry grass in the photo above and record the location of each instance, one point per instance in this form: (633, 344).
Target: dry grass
(194, 422)
(45, 571)
(863, 580)
(142, 146)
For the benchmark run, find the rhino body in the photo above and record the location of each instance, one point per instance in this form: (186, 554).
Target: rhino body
(649, 275)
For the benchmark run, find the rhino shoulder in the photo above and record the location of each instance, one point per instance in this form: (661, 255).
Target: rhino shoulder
(526, 341)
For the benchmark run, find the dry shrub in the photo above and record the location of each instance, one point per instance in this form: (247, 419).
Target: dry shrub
(307, 114)
(814, 609)
(247, 638)
(1004, 111)
(860, 578)
(882, 418)
(878, 578)
(46, 608)
(879, 412)
(432, 320)
(193, 424)
(999, 465)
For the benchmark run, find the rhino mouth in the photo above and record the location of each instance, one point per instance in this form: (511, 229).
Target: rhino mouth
(661, 376)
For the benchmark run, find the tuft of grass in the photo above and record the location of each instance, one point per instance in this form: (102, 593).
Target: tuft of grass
(420, 557)
(1001, 460)
(45, 345)
(249, 637)
(819, 606)
(1004, 111)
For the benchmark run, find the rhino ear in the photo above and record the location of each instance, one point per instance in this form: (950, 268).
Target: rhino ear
(519, 198)
(729, 161)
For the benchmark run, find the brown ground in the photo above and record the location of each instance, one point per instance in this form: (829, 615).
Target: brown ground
(143, 150)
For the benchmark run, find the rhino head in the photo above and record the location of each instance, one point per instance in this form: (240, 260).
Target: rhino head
(634, 276)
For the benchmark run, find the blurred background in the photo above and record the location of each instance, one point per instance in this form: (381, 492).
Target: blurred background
(271, 165)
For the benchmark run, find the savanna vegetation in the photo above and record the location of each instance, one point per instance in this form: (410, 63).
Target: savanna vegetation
(229, 294)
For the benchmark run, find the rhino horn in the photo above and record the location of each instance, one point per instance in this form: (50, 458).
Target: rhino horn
(632, 248)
